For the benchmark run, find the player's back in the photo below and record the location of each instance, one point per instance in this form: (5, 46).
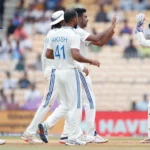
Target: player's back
(62, 41)
(47, 63)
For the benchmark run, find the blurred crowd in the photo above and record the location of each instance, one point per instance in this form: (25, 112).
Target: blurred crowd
(34, 18)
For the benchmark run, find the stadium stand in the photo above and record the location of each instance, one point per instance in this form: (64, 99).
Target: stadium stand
(117, 83)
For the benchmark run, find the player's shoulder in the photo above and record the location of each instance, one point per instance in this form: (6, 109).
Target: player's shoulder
(74, 34)
(51, 32)
(69, 31)
(79, 30)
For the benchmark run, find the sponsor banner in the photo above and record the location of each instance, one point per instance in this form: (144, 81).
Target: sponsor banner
(107, 123)
(17, 122)
(132, 123)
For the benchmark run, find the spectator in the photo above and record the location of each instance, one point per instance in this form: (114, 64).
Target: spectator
(3, 52)
(19, 33)
(11, 28)
(140, 5)
(8, 44)
(133, 106)
(126, 29)
(118, 12)
(131, 51)
(2, 2)
(29, 26)
(24, 81)
(142, 105)
(60, 6)
(30, 13)
(23, 38)
(21, 64)
(101, 16)
(17, 20)
(9, 83)
(12, 105)
(32, 93)
(37, 65)
(47, 14)
(40, 24)
(51, 4)
(77, 4)
(39, 4)
(25, 44)
(118, 38)
(20, 8)
(3, 100)
(126, 5)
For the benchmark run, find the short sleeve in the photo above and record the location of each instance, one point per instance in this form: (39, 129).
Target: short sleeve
(49, 44)
(75, 41)
(83, 34)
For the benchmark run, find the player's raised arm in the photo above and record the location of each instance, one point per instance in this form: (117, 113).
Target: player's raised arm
(104, 40)
(106, 34)
(140, 18)
(98, 39)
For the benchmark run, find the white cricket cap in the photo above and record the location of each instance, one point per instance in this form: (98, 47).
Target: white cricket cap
(57, 17)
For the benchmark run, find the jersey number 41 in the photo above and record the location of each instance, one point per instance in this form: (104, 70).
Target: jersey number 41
(60, 52)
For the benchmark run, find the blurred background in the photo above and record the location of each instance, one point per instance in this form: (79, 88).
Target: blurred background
(121, 84)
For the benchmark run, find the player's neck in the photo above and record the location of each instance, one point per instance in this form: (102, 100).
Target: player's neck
(69, 25)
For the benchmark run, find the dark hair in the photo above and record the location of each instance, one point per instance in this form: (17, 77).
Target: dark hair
(80, 11)
(58, 25)
(69, 15)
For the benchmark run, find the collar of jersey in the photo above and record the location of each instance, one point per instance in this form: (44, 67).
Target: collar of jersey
(68, 27)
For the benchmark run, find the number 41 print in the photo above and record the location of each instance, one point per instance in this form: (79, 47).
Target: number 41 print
(60, 52)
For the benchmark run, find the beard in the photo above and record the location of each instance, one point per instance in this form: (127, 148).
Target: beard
(75, 26)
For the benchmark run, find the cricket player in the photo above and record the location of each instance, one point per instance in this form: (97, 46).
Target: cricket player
(88, 95)
(57, 21)
(50, 95)
(2, 142)
(140, 18)
(65, 49)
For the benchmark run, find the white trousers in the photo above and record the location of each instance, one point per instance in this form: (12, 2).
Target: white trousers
(50, 95)
(70, 101)
(88, 99)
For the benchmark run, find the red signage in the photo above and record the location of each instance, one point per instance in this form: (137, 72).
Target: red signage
(132, 123)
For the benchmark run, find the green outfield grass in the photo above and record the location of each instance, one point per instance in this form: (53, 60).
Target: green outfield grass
(13, 143)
